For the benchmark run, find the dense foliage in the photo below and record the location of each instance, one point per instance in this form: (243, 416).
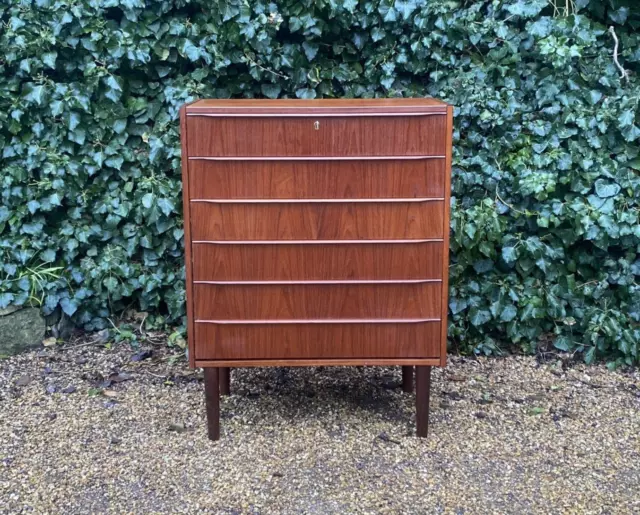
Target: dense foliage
(545, 228)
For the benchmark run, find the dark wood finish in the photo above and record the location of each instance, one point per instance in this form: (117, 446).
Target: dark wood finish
(336, 136)
(316, 301)
(315, 362)
(316, 233)
(184, 138)
(212, 400)
(225, 380)
(422, 178)
(291, 107)
(423, 391)
(445, 248)
(407, 379)
(292, 262)
(317, 341)
(317, 221)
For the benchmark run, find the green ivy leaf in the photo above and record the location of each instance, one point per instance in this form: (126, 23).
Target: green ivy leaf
(306, 93)
(5, 299)
(49, 59)
(166, 206)
(509, 254)
(620, 15)
(111, 283)
(147, 200)
(310, 50)
(527, 8)
(590, 355)
(627, 118)
(479, 317)
(605, 189)
(74, 120)
(350, 5)
(34, 94)
(508, 313)
(69, 306)
(389, 14)
(405, 7)
(119, 126)
(562, 343)
(270, 90)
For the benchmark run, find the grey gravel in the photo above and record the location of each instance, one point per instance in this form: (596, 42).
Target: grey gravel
(507, 436)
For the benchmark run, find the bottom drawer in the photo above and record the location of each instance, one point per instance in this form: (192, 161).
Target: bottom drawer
(317, 341)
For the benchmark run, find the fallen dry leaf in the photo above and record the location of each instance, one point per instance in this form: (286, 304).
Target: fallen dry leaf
(49, 342)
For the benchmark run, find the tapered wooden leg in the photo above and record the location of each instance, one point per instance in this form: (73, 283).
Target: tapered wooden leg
(212, 398)
(407, 379)
(225, 380)
(423, 389)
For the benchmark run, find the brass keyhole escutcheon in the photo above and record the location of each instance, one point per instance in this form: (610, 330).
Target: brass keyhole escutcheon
(316, 125)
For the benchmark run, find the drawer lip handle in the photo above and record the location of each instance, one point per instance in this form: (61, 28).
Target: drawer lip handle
(320, 282)
(316, 200)
(312, 242)
(315, 158)
(320, 321)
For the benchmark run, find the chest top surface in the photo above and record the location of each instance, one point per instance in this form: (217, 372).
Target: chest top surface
(328, 107)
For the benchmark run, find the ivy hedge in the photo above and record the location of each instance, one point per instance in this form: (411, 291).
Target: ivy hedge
(545, 225)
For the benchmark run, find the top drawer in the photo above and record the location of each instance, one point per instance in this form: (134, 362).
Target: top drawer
(336, 136)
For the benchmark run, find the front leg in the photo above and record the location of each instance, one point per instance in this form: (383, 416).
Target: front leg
(407, 379)
(212, 399)
(423, 390)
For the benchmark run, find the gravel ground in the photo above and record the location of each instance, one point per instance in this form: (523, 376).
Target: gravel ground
(89, 430)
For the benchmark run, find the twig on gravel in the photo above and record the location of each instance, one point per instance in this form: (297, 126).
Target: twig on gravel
(592, 385)
(155, 375)
(86, 344)
(142, 323)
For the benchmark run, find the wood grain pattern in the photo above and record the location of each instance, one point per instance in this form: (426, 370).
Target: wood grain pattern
(187, 228)
(315, 362)
(350, 301)
(317, 221)
(446, 231)
(317, 341)
(337, 136)
(317, 262)
(297, 227)
(330, 107)
(316, 233)
(317, 179)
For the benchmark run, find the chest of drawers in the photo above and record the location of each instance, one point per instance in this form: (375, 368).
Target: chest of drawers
(316, 233)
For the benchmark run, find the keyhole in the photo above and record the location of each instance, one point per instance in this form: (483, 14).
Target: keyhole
(316, 125)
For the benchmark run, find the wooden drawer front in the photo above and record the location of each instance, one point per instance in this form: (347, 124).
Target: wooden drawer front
(317, 301)
(317, 179)
(317, 341)
(336, 136)
(292, 262)
(317, 221)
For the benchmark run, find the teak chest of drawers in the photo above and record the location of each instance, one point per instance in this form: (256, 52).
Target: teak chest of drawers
(316, 233)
